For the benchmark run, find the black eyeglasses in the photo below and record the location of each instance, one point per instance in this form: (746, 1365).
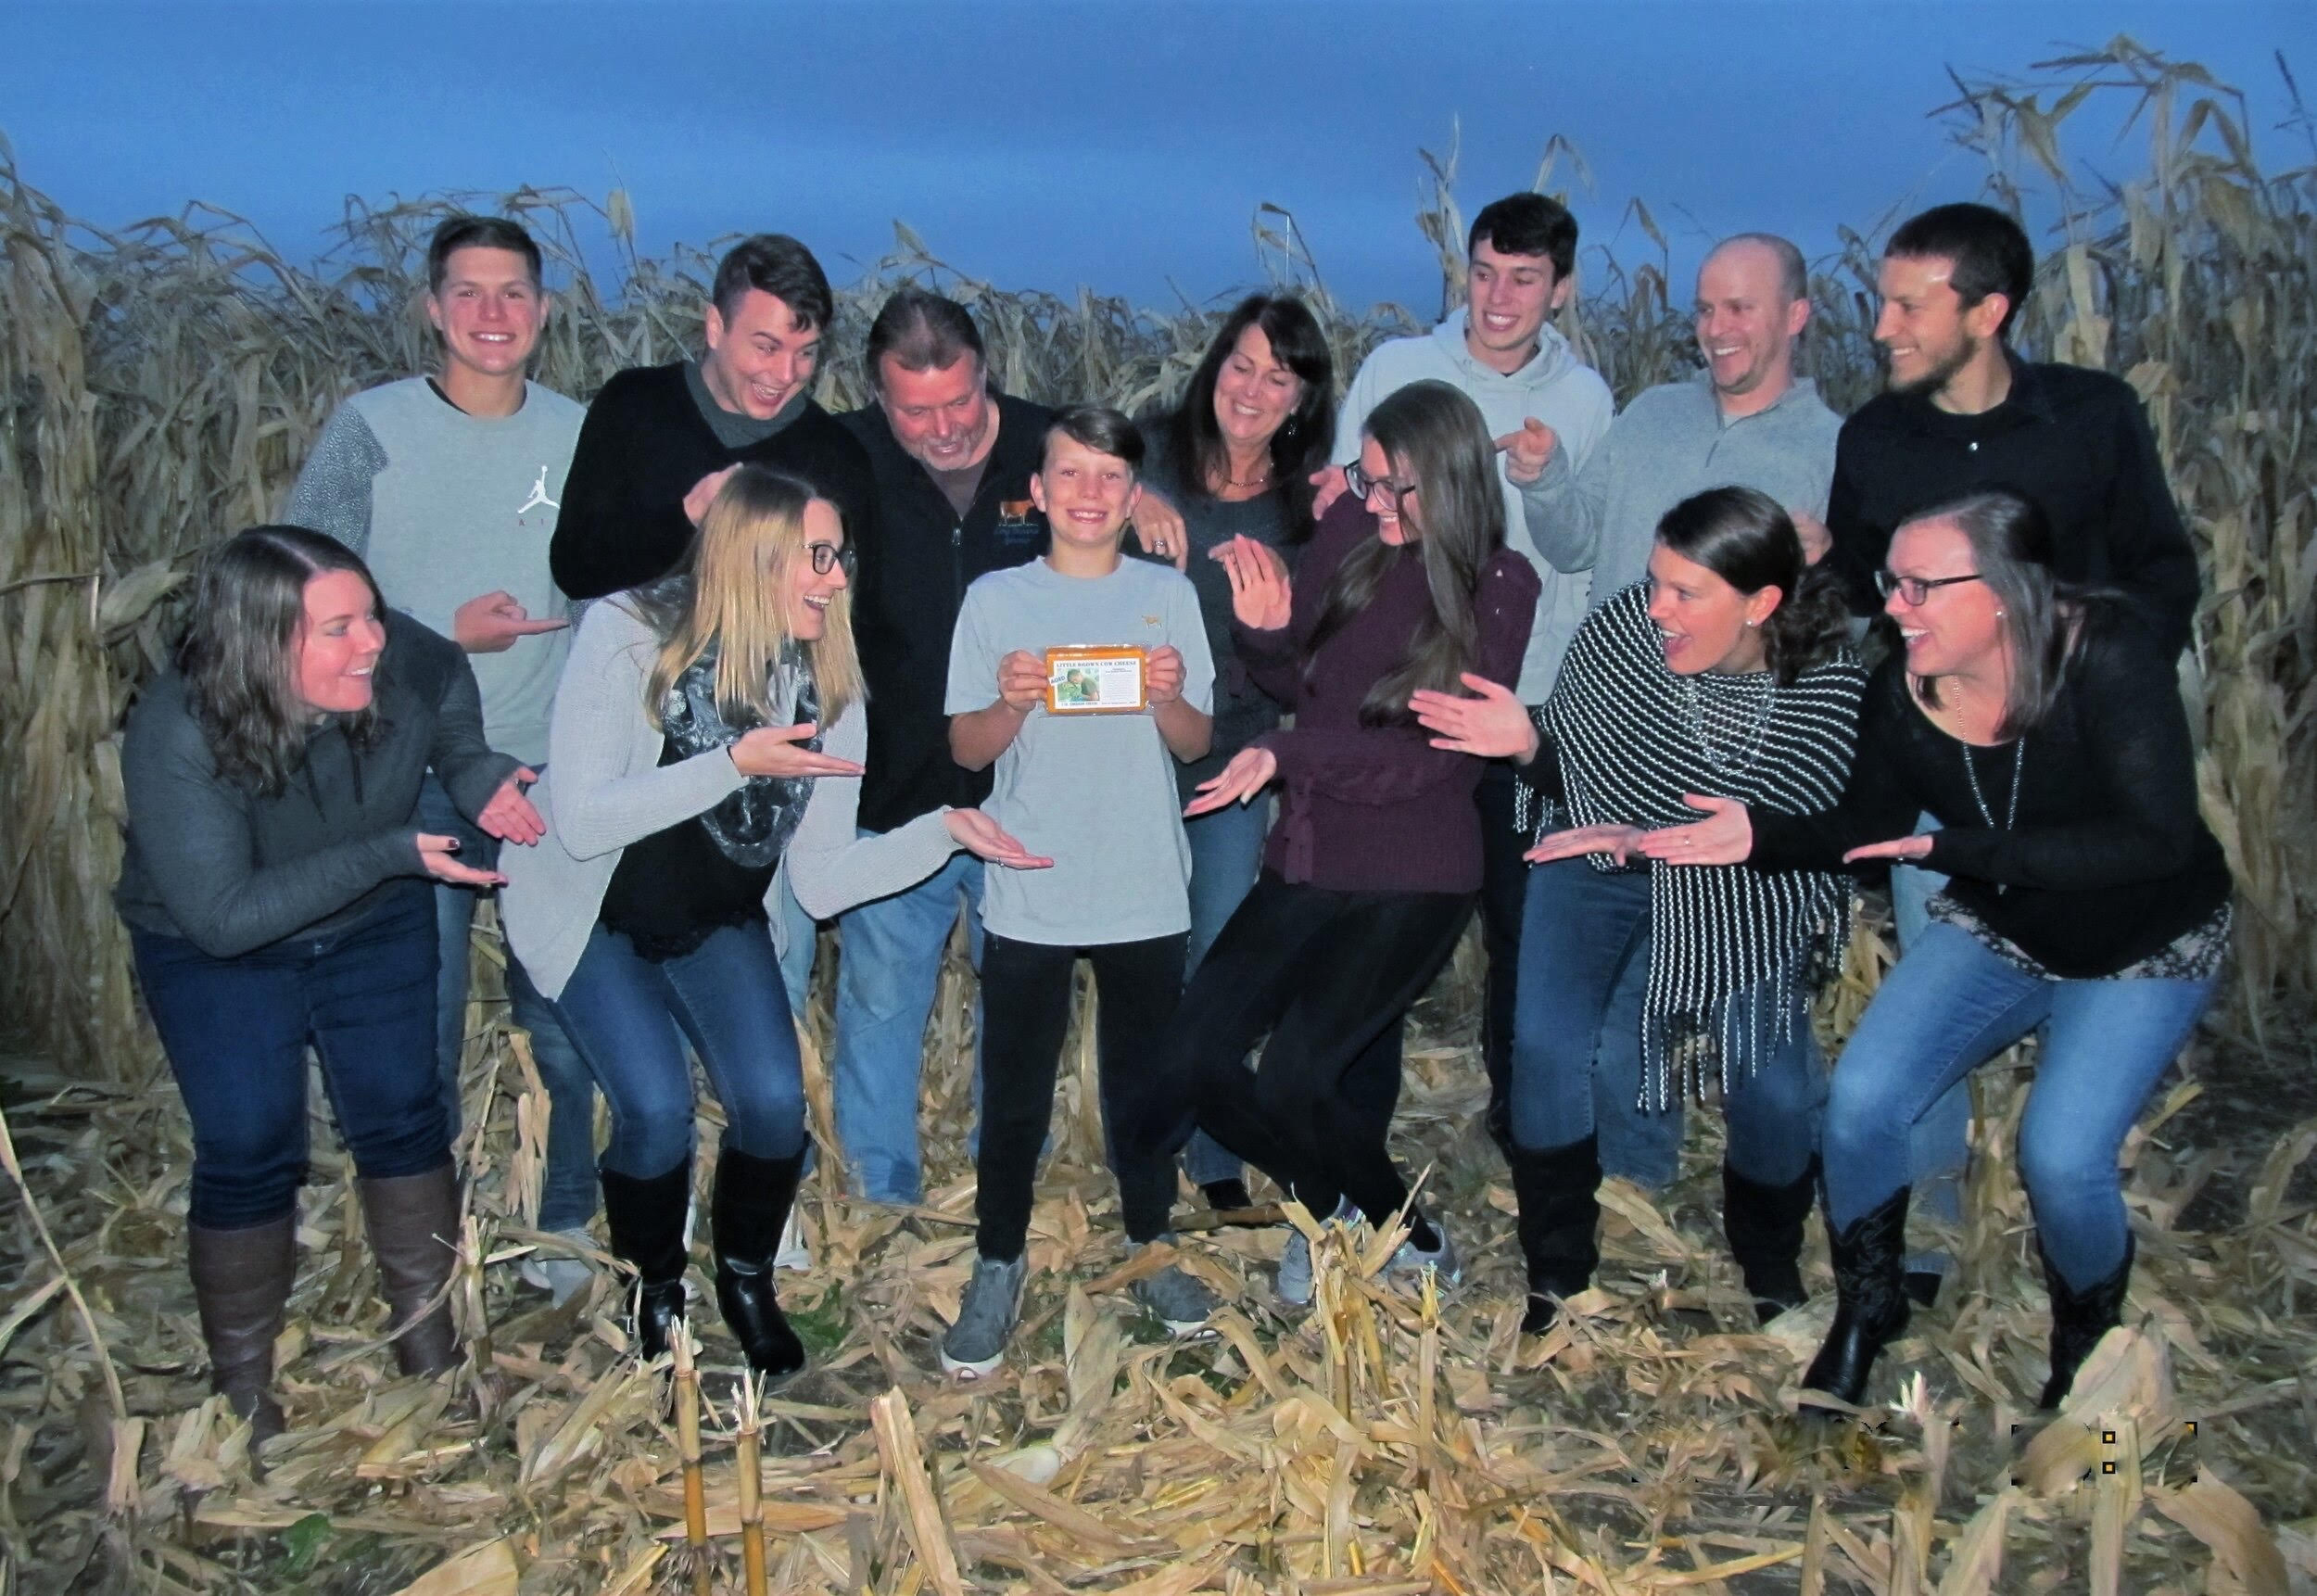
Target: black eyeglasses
(828, 554)
(1361, 485)
(1915, 589)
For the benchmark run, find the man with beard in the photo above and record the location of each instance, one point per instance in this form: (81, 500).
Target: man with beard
(1964, 411)
(1746, 420)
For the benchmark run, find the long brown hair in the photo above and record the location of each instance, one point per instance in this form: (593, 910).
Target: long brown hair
(2012, 551)
(1435, 432)
(729, 591)
(238, 655)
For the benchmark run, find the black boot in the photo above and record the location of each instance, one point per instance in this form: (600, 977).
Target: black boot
(1763, 1225)
(1558, 1219)
(2080, 1318)
(1869, 1261)
(752, 1203)
(241, 1279)
(646, 1219)
(413, 1222)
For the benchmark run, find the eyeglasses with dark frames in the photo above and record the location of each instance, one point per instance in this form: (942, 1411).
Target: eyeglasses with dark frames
(1361, 486)
(1916, 590)
(828, 554)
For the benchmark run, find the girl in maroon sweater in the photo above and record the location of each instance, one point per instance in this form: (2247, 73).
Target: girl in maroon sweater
(1372, 869)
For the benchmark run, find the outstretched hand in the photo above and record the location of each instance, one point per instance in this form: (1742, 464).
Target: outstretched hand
(1262, 598)
(435, 854)
(1251, 770)
(1915, 847)
(1620, 843)
(985, 838)
(1723, 837)
(1493, 724)
(510, 816)
(775, 751)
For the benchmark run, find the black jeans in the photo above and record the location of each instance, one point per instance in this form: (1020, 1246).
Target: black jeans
(1025, 1011)
(1331, 975)
(1503, 905)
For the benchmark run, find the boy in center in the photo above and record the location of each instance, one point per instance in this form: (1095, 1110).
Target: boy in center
(1097, 793)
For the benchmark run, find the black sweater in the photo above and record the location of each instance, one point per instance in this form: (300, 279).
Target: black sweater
(231, 871)
(2108, 860)
(913, 574)
(643, 446)
(2075, 441)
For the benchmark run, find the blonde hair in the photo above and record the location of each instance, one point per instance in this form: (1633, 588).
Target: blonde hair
(739, 566)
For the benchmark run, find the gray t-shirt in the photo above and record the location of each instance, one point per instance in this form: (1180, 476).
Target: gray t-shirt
(1095, 792)
(445, 507)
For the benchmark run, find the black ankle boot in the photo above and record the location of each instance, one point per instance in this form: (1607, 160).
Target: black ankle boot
(1869, 1263)
(752, 1202)
(1764, 1224)
(1558, 1215)
(2080, 1318)
(646, 1219)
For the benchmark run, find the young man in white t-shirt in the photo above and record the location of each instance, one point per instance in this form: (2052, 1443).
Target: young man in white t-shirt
(1094, 792)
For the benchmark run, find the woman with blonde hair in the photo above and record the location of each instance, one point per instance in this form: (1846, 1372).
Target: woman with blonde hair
(707, 738)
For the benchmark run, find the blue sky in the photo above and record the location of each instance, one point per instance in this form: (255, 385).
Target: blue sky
(1122, 145)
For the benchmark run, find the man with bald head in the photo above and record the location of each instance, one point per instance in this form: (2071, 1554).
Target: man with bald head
(1745, 421)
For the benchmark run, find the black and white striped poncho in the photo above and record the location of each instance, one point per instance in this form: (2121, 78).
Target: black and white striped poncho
(1630, 738)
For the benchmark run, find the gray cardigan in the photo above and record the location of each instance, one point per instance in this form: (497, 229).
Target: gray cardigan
(605, 788)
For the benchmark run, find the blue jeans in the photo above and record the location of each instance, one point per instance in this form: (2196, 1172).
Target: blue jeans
(236, 1031)
(567, 1187)
(1227, 852)
(1576, 1042)
(631, 1017)
(890, 964)
(1939, 1152)
(796, 965)
(1950, 1005)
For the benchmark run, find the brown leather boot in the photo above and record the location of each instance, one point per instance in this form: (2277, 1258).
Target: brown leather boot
(241, 1280)
(414, 1223)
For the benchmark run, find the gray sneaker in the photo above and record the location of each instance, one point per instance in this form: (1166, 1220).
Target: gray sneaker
(1177, 1297)
(976, 1344)
(1409, 1262)
(558, 1274)
(1292, 1281)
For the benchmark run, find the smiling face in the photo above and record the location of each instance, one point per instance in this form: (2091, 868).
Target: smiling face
(1704, 623)
(1745, 324)
(1924, 328)
(1958, 627)
(1395, 523)
(942, 418)
(338, 644)
(760, 356)
(1254, 393)
(1086, 495)
(806, 593)
(488, 310)
(1510, 295)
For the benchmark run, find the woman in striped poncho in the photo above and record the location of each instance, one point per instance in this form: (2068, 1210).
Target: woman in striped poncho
(1727, 672)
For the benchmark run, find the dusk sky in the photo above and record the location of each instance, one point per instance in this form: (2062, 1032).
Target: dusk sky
(1123, 145)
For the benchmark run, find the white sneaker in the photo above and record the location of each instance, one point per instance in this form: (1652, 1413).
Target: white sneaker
(793, 1252)
(558, 1274)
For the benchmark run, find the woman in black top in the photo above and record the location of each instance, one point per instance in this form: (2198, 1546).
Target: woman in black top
(1235, 458)
(276, 892)
(2045, 732)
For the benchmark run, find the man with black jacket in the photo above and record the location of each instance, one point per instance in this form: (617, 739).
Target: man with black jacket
(952, 463)
(1964, 411)
(659, 440)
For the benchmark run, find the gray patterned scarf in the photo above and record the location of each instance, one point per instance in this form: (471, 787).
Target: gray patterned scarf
(752, 826)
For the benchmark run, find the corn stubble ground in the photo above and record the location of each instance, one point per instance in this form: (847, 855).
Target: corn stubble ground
(158, 387)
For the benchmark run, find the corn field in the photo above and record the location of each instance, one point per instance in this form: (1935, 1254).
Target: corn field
(159, 388)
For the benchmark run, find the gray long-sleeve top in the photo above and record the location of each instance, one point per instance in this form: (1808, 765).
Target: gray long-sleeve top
(1671, 442)
(233, 871)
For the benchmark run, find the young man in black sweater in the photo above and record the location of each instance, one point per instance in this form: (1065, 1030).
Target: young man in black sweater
(658, 440)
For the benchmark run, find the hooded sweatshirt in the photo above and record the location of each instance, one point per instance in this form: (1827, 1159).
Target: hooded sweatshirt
(1558, 389)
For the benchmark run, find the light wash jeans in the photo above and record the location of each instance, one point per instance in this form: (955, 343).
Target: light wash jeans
(1939, 1153)
(890, 964)
(1948, 1006)
(567, 1187)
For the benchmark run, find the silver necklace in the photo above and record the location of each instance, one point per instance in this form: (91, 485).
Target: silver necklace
(2011, 810)
(1750, 732)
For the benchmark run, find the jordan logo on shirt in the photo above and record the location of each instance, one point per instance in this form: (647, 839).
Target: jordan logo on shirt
(538, 496)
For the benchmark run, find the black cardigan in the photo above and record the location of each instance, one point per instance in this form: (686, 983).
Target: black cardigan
(231, 871)
(643, 446)
(2108, 860)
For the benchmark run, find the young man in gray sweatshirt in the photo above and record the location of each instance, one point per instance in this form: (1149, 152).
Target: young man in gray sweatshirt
(1499, 348)
(447, 486)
